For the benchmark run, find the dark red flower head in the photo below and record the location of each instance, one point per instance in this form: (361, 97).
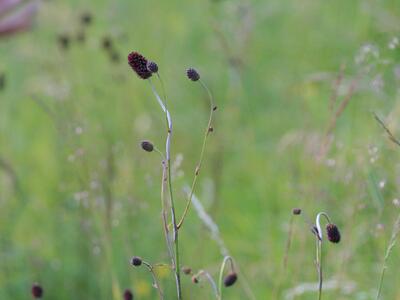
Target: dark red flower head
(138, 64)
(128, 295)
(333, 233)
(230, 279)
(37, 291)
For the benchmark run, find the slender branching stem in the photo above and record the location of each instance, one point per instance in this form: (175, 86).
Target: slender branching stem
(221, 273)
(172, 203)
(392, 243)
(156, 283)
(200, 162)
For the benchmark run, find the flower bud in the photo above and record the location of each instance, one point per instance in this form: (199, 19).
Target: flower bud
(37, 291)
(136, 261)
(230, 279)
(192, 74)
(333, 233)
(147, 146)
(128, 295)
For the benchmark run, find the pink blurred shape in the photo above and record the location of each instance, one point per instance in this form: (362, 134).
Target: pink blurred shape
(16, 15)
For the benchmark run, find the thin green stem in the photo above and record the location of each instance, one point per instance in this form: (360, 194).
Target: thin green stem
(176, 236)
(392, 243)
(319, 267)
(199, 164)
(169, 179)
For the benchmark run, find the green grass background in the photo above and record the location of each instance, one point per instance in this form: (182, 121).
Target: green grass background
(271, 66)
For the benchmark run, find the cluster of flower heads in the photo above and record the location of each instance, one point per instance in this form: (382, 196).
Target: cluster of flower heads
(332, 231)
(145, 68)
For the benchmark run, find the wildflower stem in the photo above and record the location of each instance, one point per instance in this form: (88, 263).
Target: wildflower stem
(156, 284)
(319, 250)
(172, 203)
(199, 164)
(319, 267)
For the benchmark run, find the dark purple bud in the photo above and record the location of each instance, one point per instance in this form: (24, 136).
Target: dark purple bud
(230, 279)
(37, 291)
(138, 64)
(147, 146)
(192, 74)
(152, 67)
(296, 211)
(128, 295)
(136, 261)
(333, 233)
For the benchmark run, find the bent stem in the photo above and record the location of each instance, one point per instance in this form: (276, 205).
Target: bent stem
(221, 273)
(199, 164)
(319, 251)
(172, 203)
(210, 280)
(156, 284)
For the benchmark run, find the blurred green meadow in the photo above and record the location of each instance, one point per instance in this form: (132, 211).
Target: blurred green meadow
(79, 197)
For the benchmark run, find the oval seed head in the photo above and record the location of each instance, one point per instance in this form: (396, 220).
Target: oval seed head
(147, 146)
(152, 67)
(230, 279)
(187, 270)
(333, 233)
(37, 291)
(192, 74)
(128, 295)
(296, 211)
(136, 261)
(138, 64)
